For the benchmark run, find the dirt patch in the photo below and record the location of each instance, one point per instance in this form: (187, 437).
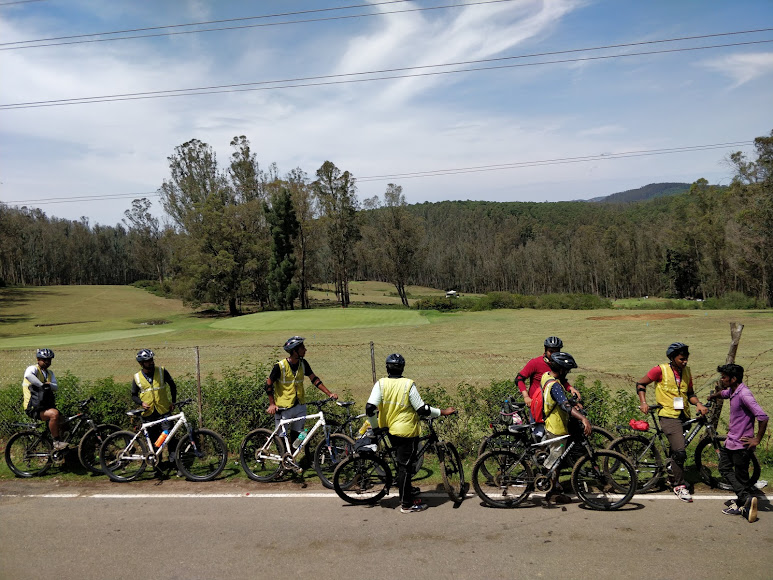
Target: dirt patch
(643, 316)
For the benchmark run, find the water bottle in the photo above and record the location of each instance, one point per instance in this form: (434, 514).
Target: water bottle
(299, 440)
(162, 437)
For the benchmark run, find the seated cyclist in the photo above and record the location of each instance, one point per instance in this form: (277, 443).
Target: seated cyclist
(558, 410)
(39, 385)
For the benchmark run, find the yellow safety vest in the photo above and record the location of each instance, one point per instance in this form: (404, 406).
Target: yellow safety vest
(289, 387)
(155, 394)
(556, 419)
(667, 389)
(395, 410)
(25, 385)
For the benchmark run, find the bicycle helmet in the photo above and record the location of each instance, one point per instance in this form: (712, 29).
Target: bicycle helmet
(563, 360)
(293, 342)
(144, 354)
(395, 363)
(675, 348)
(45, 353)
(554, 342)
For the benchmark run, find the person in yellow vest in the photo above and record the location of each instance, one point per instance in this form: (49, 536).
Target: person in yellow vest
(399, 407)
(38, 386)
(673, 390)
(154, 390)
(284, 386)
(558, 412)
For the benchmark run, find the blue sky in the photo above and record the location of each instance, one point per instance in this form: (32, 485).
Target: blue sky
(596, 108)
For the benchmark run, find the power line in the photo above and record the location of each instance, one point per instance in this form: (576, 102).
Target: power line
(65, 40)
(300, 81)
(441, 172)
(19, 2)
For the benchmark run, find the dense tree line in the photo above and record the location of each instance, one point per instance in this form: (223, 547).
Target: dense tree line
(242, 233)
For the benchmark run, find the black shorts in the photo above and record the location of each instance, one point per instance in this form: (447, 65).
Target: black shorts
(35, 413)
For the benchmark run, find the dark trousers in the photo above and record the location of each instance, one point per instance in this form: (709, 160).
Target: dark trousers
(675, 433)
(405, 449)
(734, 467)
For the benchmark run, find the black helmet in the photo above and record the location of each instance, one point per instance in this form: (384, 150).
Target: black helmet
(144, 354)
(732, 370)
(675, 348)
(395, 363)
(293, 342)
(554, 342)
(563, 360)
(45, 353)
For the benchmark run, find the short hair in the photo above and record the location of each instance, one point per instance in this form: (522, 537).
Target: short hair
(731, 370)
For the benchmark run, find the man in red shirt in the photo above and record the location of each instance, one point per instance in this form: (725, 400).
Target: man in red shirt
(533, 372)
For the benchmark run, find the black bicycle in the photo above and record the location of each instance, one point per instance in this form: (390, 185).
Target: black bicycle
(366, 477)
(31, 452)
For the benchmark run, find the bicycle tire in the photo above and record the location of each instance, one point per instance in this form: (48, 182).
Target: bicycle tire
(28, 453)
(511, 482)
(452, 471)
(707, 463)
(121, 458)
(90, 444)
(258, 465)
(600, 438)
(203, 461)
(645, 457)
(506, 441)
(362, 479)
(606, 481)
(328, 456)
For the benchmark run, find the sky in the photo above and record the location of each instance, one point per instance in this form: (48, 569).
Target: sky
(496, 124)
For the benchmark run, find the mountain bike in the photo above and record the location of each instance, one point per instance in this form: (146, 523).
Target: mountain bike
(265, 454)
(366, 476)
(647, 451)
(337, 443)
(601, 478)
(200, 454)
(31, 452)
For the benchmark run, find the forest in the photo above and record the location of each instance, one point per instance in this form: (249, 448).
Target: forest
(244, 235)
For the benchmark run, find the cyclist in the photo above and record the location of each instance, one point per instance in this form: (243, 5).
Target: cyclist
(39, 385)
(558, 409)
(399, 407)
(735, 455)
(153, 389)
(533, 371)
(284, 385)
(673, 390)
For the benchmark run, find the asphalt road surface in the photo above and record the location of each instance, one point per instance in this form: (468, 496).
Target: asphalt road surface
(181, 530)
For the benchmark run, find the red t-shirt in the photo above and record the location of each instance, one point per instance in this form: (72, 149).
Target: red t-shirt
(533, 371)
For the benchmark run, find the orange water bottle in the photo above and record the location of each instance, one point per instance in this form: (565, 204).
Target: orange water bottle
(162, 437)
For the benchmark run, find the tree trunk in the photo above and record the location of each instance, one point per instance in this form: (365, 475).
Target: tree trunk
(232, 310)
(735, 335)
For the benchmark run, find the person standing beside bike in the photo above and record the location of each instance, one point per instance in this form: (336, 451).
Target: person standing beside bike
(533, 372)
(558, 410)
(673, 390)
(153, 389)
(284, 386)
(39, 385)
(735, 455)
(399, 406)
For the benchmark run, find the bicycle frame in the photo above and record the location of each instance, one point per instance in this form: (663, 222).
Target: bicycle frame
(280, 431)
(179, 419)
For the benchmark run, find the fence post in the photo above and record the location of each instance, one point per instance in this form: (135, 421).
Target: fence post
(198, 385)
(373, 362)
(735, 337)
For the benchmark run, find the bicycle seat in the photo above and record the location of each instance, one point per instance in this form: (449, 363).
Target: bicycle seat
(135, 412)
(518, 428)
(85, 402)
(344, 403)
(27, 425)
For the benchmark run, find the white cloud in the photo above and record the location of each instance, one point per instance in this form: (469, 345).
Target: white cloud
(742, 68)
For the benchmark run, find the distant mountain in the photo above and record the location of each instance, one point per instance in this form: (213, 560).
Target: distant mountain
(643, 193)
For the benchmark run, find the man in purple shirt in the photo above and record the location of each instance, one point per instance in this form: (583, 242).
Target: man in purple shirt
(735, 456)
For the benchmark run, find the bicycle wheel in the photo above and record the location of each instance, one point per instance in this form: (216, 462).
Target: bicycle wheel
(203, 458)
(511, 479)
(452, 471)
(28, 453)
(600, 438)
(362, 479)
(328, 455)
(261, 455)
(90, 443)
(123, 457)
(707, 463)
(506, 441)
(644, 455)
(606, 481)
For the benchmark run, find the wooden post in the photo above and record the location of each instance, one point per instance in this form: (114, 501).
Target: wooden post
(198, 385)
(735, 337)
(373, 362)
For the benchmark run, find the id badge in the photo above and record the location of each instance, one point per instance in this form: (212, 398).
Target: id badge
(678, 403)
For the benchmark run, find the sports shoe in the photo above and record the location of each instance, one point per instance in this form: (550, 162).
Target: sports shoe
(731, 502)
(681, 492)
(558, 498)
(731, 509)
(749, 510)
(59, 445)
(415, 508)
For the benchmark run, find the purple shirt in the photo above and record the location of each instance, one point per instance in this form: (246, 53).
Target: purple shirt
(743, 410)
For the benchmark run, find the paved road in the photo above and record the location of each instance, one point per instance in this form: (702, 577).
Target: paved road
(179, 531)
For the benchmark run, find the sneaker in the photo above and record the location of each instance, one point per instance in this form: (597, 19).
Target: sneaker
(749, 510)
(559, 499)
(731, 502)
(59, 445)
(681, 492)
(415, 508)
(731, 509)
